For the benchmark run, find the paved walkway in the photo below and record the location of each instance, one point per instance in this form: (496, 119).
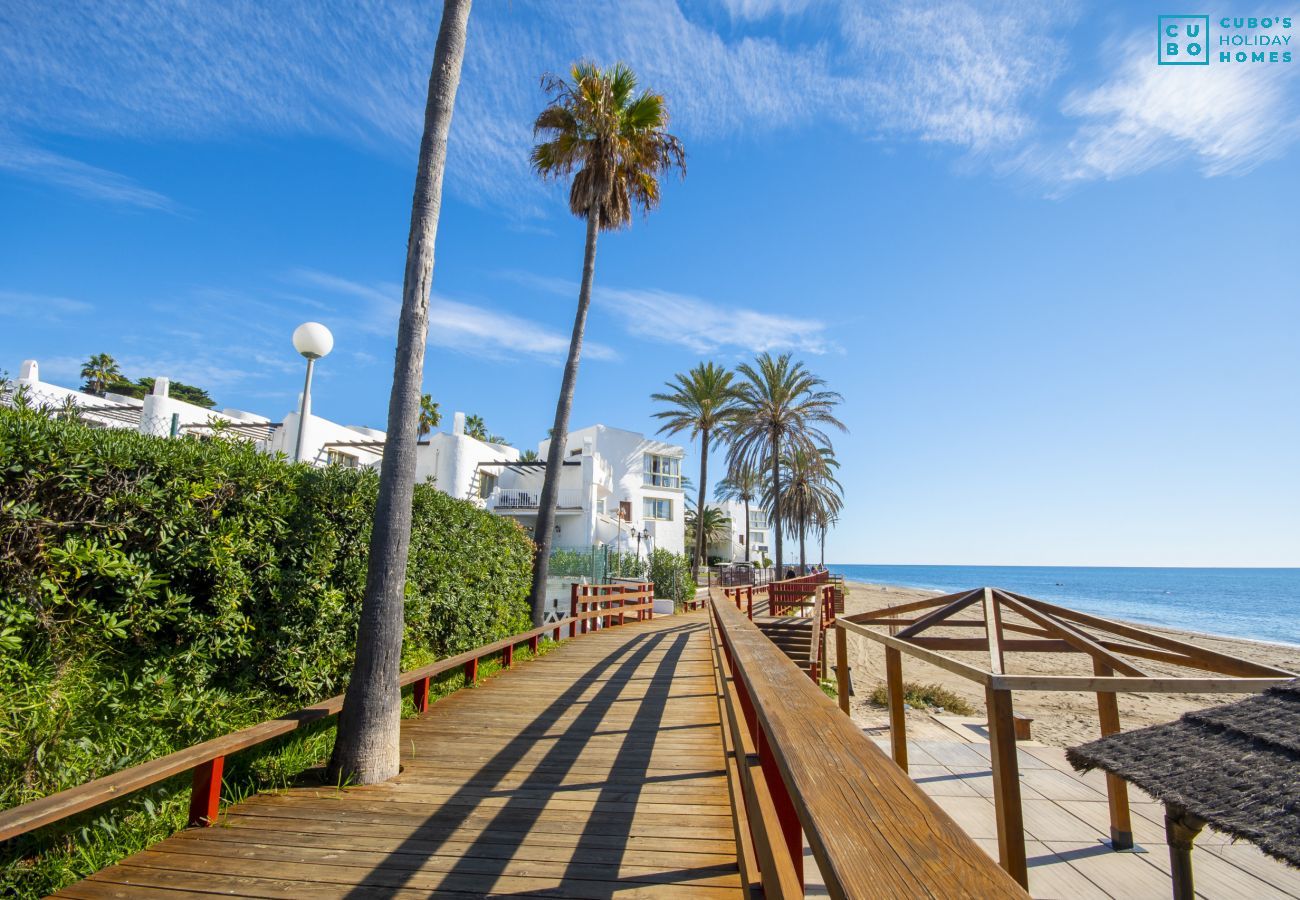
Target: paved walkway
(594, 771)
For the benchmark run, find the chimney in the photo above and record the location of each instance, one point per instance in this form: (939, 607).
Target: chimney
(458, 423)
(161, 386)
(30, 371)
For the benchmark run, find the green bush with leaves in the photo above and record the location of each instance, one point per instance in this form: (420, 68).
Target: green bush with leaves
(670, 572)
(155, 593)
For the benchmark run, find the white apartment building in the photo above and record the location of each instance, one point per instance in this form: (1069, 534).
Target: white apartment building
(756, 534)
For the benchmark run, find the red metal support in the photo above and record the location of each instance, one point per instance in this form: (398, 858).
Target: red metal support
(420, 695)
(471, 671)
(786, 815)
(205, 795)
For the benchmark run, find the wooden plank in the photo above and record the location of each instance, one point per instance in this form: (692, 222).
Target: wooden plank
(873, 832)
(597, 769)
(1121, 826)
(1117, 684)
(939, 615)
(993, 632)
(897, 714)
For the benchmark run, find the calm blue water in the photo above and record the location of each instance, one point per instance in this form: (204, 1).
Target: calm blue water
(1263, 604)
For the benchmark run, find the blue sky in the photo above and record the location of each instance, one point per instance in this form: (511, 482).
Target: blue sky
(1054, 282)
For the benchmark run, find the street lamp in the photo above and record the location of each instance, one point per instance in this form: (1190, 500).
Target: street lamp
(314, 341)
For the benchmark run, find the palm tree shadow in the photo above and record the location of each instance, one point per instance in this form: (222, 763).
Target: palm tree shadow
(601, 843)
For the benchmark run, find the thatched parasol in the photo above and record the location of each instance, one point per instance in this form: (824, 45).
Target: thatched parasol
(1235, 767)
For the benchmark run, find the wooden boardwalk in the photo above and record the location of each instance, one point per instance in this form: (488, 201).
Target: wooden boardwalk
(594, 771)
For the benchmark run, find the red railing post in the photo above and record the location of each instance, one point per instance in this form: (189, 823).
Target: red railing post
(536, 639)
(420, 695)
(573, 611)
(622, 602)
(471, 671)
(650, 598)
(205, 795)
(508, 657)
(751, 604)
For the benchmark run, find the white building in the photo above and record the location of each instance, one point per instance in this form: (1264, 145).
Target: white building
(756, 534)
(460, 465)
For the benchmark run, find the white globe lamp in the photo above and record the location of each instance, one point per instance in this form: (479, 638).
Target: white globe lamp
(314, 341)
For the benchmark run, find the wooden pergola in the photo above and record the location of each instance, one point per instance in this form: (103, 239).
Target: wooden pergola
(1005, 622)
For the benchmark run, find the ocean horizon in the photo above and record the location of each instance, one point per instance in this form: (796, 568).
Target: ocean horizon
(1257, 604)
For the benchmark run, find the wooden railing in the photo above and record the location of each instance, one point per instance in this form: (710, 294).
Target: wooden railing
(207, 760)
(798, 768)
(619, 599)
(795, 593)
(743, 598)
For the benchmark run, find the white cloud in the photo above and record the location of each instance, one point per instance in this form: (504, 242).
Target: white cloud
(1228, 118)
(152, 69)
(698, 325)
(465, 328)
(36, 164)
(33, 306)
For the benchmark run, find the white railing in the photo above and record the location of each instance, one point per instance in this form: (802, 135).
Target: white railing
(517, 498)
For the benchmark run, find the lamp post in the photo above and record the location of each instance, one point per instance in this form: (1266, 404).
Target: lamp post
(314, 341)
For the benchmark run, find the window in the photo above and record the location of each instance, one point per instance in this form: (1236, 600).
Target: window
(339, 458)
(655, 508)
(663, 471)
(487, 483)
(757, 518)
(600, 505)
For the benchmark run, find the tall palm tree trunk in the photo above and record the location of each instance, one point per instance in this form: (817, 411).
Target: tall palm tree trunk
(699, 506)
(542, 535)
(746, 532)
(822, 536)
(803, 556)
(367, 749)
(776, 502)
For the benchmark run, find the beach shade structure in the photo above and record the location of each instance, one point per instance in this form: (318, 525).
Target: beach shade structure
(993, 624)
(1235, 767)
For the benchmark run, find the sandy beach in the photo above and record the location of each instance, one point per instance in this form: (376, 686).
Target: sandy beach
(1060, 719)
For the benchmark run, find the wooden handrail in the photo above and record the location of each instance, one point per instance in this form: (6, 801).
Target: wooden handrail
(873, 832)
(206, 759)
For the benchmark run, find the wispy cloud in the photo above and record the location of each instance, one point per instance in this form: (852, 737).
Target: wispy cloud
(473, 329)
(24, 305)
(699, 325)
(150, 69)
(1227, 118)
(37, 164)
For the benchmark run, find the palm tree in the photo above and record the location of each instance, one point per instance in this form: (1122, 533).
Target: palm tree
(430, 415)
(742, 485)
(475, 427)
(824, 521)
(701, 401)
(100, 371)
(808, 489)
(711, 527)
(528, 456)
(783, 407)
(367, 747)
(612, 140)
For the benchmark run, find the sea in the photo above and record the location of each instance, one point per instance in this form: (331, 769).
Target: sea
(1260, 604)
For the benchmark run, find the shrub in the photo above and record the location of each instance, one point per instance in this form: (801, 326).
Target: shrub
(670, 572)
(925, 695)
(155, 593)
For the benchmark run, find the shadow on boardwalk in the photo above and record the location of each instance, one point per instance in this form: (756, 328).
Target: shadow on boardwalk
(594, 771)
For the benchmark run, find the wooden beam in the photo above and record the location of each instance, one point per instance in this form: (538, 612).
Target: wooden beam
(1180, 831)
(993, 631)
(1228, 665)
(1121, 825)
(842, 669)
(1042, 645)
(897, 714)
(1073, 635)
(1090, 685)
(979, 676)
(913, 606)
(939, 615)
(1006, 786)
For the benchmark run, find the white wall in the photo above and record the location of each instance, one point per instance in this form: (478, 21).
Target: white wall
(453, 460)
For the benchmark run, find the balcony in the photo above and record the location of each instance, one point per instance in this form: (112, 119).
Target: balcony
(516, 500)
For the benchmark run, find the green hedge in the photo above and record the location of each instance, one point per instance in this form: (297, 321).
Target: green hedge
(155, 592)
